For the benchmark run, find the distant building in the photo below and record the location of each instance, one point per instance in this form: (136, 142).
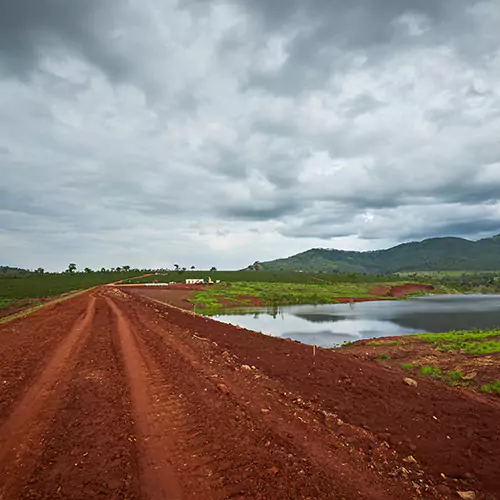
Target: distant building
(195, 281)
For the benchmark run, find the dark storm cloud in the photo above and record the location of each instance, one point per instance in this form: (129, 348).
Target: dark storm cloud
(261, 210)
(27, 27)
(323, 30)
(466, 228)
(187, 126)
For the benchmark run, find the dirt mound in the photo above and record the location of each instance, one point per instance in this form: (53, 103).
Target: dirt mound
(404, 290)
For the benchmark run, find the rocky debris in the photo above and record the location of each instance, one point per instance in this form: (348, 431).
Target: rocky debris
(223, 388)
(384, 436)
(466, 495)
(265, 411)
(409, 381)
(226, 355)
(274, 469)
(443, 490)
(246, 368)
(470, 376)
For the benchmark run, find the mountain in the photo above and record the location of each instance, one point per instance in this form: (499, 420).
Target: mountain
(434, 254)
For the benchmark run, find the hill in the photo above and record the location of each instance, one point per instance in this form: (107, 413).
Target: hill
(434, 254)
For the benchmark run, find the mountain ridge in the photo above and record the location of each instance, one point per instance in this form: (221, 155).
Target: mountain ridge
(447, 253)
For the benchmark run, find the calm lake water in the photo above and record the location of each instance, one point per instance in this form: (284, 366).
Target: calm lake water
(330, 325)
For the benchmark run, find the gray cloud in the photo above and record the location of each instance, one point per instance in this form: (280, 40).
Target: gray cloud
(222, 133)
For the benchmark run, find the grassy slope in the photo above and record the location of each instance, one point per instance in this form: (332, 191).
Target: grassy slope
(428, 255)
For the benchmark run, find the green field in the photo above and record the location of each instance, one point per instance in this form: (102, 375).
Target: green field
(37, 286)
(277, 293)
(445, 274)
(267, 277)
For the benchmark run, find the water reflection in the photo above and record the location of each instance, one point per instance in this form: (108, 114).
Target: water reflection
(332, 324)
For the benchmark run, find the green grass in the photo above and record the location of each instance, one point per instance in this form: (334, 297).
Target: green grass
(431, 371)
(4, 303)
(493, 387)
(376, 343)
(443, 274)
(384, 356)
(408, 367)
(271, 277)
(469, 341)
(50, 285)
(277, 293)
(455, 375)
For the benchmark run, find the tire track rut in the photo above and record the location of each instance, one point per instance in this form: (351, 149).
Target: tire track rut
(151, 409)
(19, 433)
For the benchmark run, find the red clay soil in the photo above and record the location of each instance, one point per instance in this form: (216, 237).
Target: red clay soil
(109, 395)
(176, 296)
(399, 291)
(22, 305)
(404, 290)
(478, 369)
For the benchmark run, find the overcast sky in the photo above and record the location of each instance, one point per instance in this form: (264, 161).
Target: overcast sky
(153, 132)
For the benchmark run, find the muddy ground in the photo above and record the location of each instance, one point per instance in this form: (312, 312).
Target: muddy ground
(110, 395)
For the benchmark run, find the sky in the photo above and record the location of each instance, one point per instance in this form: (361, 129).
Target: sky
(154, 132)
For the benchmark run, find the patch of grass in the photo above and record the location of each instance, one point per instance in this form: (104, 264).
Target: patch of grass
(487, 347)
(384, 356)
(385, 342)
(455, 375)
(493, 387)
(456, 378)
(278, 293)
(431, 371)
(408, 367)
(347, 343)
(4, 303)
(469, 341)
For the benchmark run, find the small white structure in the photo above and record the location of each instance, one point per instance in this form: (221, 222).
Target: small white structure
(195, 281)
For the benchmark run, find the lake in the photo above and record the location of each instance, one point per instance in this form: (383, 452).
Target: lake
(330, 325)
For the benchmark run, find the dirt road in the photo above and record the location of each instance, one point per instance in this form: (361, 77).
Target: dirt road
(108, 395)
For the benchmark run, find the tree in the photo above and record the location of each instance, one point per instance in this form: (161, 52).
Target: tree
(213, 269)
(118, 269)
(40, 270)
(71, 268)
(193, 268)
(87, 270)
(126, 268)
(103, 269)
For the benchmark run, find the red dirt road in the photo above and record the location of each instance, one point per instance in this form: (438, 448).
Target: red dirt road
(108, 395)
